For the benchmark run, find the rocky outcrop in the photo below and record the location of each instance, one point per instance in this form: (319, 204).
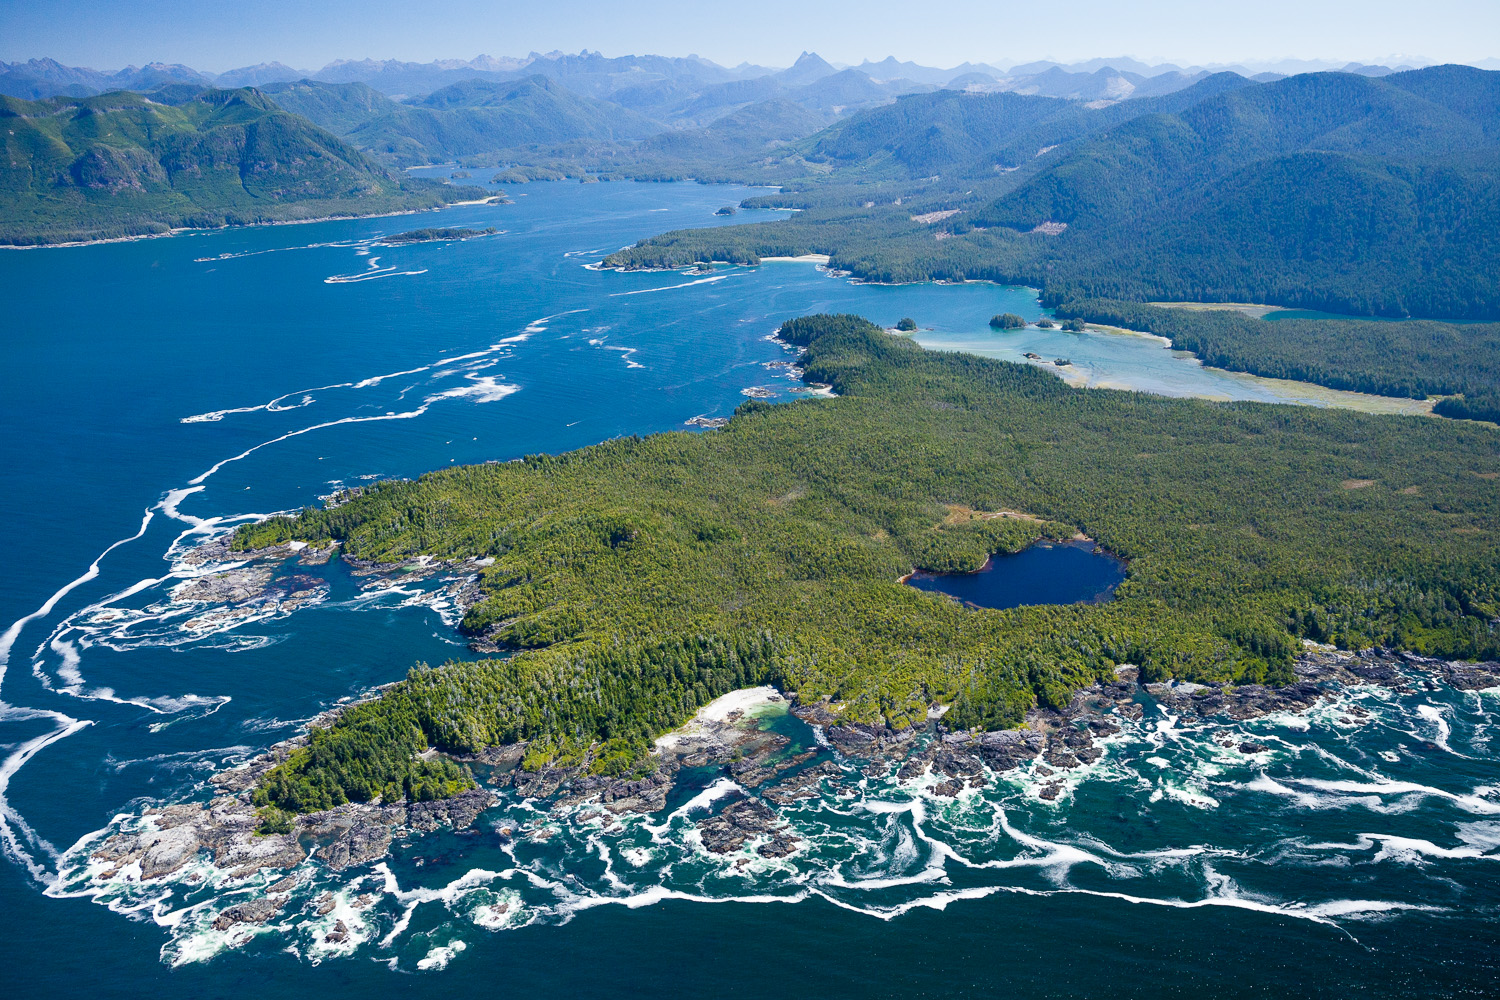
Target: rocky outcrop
(743, 820)
(458, 812)
(174, 836)
(235, 586)
(255, 911)
(353, 834)
(1471, 676)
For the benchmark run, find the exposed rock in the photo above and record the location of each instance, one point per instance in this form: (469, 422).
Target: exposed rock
(234, 586)
(352, 834)
(741, 821)
(1471, 676)
(245, 853)
(804, 784)
(1009, 749)
(779, 846)
(255, 911)
(458, 812)
(1061, 759)
(168, 850)
(176, 834)
(338, 935)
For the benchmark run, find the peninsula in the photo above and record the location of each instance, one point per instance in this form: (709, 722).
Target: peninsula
(636, 580)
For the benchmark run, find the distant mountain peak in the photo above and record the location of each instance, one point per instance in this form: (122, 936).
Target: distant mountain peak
(809, 68)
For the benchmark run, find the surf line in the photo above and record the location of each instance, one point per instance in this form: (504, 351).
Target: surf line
(10, 820)
(275, 405)
(668, 288)
(15, 832)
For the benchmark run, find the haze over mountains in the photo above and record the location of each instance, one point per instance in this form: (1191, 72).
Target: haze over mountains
(633, 80)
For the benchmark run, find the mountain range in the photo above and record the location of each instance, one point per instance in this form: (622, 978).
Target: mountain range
(636, 80)
(124, 164)
(1353, 191)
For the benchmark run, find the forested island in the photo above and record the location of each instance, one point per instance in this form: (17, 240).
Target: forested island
(638, 579)
(437, 235)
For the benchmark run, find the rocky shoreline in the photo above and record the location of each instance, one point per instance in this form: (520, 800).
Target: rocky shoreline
(255, 581)
(726, 740)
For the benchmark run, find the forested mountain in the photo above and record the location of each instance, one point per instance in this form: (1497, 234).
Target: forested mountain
(124, 164)
(753, 128)
(1150, 159)
(339, 107)
(1334, 191)
(1329, 190)
(478, 117)
(974, 135)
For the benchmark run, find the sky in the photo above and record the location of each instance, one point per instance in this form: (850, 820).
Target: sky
(215, 35)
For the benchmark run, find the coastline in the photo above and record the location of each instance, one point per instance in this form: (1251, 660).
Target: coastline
(807, 258)
(181, 230)
(1285, 392)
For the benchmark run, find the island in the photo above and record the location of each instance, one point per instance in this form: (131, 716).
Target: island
(437, 235)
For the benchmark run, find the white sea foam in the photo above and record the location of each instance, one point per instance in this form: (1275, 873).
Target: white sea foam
(1437, 718)
(1381, 789)
(668, 288)
(482, 389)
(439, 957)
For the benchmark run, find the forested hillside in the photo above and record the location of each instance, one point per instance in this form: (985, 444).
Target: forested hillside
(338, 107)
(124, 164)
(975, 135)
(1416, 358)
(479, 117)
(645, 576)
(1329, 191)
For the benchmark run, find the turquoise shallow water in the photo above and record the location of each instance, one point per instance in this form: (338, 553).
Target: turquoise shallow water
(155, 392)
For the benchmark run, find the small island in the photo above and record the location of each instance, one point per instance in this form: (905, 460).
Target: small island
(1008, 321)
(437, 235)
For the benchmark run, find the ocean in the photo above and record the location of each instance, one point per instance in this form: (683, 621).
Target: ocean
(156, 392)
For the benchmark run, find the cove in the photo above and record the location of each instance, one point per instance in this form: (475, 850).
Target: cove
(1072, 572)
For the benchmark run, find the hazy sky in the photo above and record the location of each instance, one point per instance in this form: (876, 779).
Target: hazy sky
(216, 35)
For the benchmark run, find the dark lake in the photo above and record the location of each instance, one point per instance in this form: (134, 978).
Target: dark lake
(1046, 573)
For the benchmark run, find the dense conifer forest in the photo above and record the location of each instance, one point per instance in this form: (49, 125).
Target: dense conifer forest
(641, 577)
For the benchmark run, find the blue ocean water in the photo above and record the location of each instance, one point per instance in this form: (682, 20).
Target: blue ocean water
(156, 392)
(1043, 573)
